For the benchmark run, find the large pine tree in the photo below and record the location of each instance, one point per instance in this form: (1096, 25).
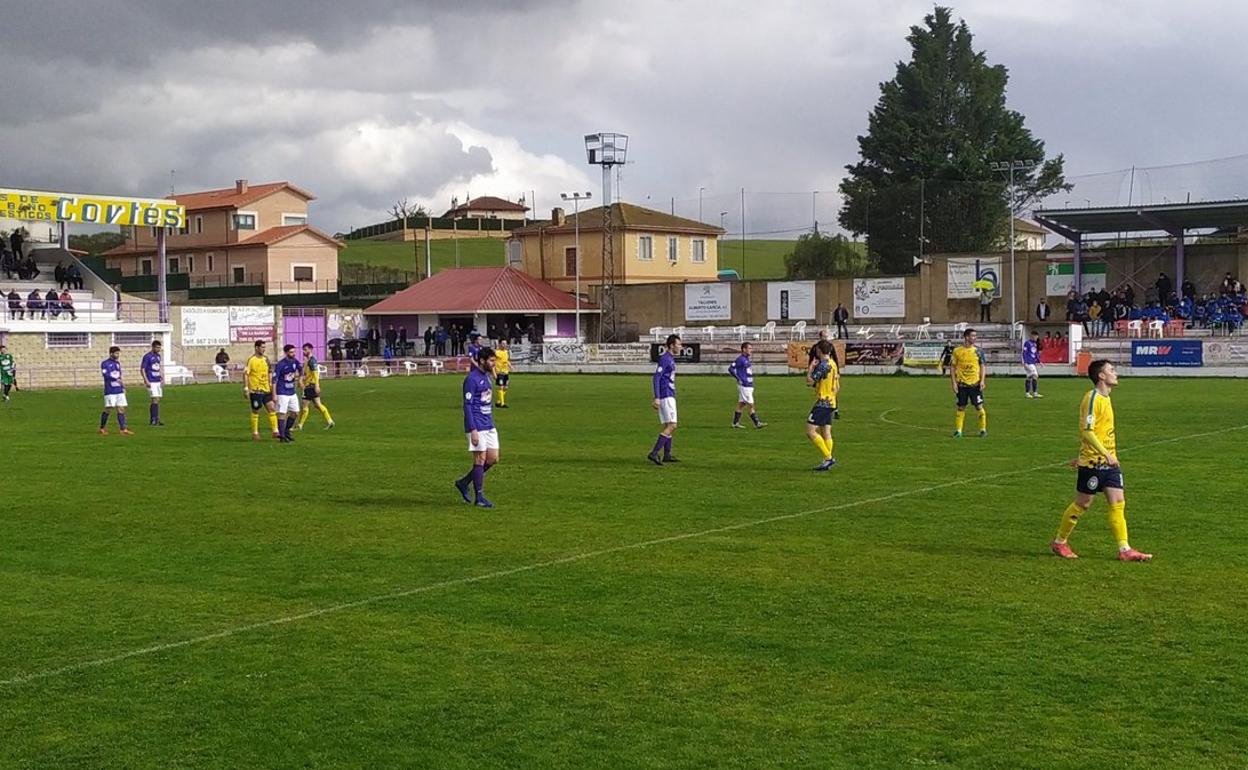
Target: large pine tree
(938, 125)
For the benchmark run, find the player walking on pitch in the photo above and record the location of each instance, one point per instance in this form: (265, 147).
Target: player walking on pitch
(968, 375)
(665, 400)
(479, 427)
(312, 389)
(154, 379)
(8, 372)
(258, 388)
(502, 372)
(114, 392)
(1098, 466)
(825, 378)
(1031, 364)
(286, 380)
(743, 370)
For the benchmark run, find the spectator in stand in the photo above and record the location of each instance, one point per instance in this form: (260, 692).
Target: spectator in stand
(517, 334)
(392, 337)
(59, 275)
(52, 301)
(1043, 310)
(34, 304)
(15, 306)
(1189, 289)
(985, 305)
(32, 270)
(67, 305)
(428, 339)
(73, 276)
(374, 341)
(15, 243)
(402, 340)
(222, 359)
(439, 340)
(1231, 285)
(1128, 296)
(456, 339)
(840, 316)
(1163, 287)
(1094, 317)
(7, 263)
(531, 333)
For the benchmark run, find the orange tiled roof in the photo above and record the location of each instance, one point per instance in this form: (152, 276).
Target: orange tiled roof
(476, 289)
(230, 197)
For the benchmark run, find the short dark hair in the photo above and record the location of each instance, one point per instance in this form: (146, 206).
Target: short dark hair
(155, 343)
(114, 349)
(259, 343)
(672, 339)
(1095, 368)
(287, 348)
(744, 345)
(967, 332)
(485, 353)
(824, 346)
(1035, 332)
(308, 345)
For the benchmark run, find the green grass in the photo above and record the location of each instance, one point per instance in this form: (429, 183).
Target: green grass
(905, 613)
(397, 254)
(761, 258)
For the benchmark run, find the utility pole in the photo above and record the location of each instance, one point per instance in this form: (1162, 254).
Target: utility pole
(1009, 167)
(576, 199)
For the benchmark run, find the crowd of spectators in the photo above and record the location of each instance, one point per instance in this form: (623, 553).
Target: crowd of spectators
(47, 306)
(1099, 311)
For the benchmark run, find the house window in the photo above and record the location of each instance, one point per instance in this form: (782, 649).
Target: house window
(173, 264)
(190, 263)
(244, 221)
(155, 231)
(671, 248)
(67, 340)
(699, 250)
(132, 339)
(569, 261)
(294, 219)
(199, 225)
(238, 273)
(302, 273)
(185, 228)
(645, 248)
(145, 267)
(210, 261)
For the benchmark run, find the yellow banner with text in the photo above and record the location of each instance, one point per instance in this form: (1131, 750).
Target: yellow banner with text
(39, 206)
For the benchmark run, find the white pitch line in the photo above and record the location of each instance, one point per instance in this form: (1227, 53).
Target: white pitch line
(884, 418)
(336, 608)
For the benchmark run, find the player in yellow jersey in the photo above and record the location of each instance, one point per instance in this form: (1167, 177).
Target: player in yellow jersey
(968, 375)
(258, 388)
(826, 379)
(311, 377)
(502, 372)
(1098, 466)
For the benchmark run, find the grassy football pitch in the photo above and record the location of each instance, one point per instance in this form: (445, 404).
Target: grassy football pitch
(185, 598)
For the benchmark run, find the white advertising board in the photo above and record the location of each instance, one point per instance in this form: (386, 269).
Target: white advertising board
(205, 326)
(879, 298)
(965, 271)
(708, 301)
(791, 300)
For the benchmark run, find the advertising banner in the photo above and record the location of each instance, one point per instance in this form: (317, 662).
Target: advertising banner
(923, 354)
(1167, 353)
(691, 354)
(874, 353)
(879, 298)
(963, 272)
(345, 326)
(1226, 350)
(251, 333)
(205, 326)
(569, 352)
(1059, 277)
(708, 301)
(35, 205)
(791, 300)
(252, 315)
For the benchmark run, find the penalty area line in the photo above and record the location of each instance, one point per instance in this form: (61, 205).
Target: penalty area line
(153, 649)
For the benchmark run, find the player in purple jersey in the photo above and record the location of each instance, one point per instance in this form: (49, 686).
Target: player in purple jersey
(743, 370)
(664, 384)
(286, 381)
(479, 427)
(114, 392)
(474, 346)
(154, 379)
(1031, 364)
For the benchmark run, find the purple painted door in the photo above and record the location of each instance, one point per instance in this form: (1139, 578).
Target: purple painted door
(301, 326)
(566, 324)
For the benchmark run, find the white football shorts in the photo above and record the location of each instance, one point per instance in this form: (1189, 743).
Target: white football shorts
(1031, 370)
(287, 404)
(113, 400)
(745, 395)
(156, 389)
(486, 439)
(667, 410)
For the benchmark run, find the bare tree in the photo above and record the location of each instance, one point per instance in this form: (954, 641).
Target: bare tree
(402, 210)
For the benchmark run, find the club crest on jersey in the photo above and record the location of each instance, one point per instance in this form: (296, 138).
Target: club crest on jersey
(1093, 482)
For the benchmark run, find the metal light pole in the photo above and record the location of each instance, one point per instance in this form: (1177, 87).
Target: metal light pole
(576, 199)
(1010, 166)
(814, 216)
(607, 150)
(722, 214)
(700, 190)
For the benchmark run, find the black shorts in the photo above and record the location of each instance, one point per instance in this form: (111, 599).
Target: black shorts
(310, 393)
(502, 380)
(820, 415)
(970, 394)
(1097, 479)
(258, 400)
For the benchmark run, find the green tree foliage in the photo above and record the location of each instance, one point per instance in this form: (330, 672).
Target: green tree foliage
(96, 243)
(821, 256)
(931, 137)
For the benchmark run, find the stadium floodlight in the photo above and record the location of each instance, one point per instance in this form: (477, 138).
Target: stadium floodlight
(1009, 167)
(576, 199)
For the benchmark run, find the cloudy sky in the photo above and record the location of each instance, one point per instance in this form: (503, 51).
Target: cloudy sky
(369, 101)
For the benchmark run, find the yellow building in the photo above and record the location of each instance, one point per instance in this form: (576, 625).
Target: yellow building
(649, 247)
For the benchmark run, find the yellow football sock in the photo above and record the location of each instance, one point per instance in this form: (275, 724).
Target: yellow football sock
(818, 441)
(273, 421)
(1070, 517)
(502, 397)
(958, 420)
(325, 413)
(827, 448)
(303, 415)
(983, 419)
(1118, 523)
(255, 423)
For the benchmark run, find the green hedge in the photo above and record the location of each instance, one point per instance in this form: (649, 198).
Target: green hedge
(226, 292)
(135, 284)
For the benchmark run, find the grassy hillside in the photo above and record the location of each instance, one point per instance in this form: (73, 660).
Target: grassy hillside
(761, 259)
(473, 252)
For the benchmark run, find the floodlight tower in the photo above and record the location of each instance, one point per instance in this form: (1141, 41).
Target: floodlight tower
(607, 150)
(1009, 167)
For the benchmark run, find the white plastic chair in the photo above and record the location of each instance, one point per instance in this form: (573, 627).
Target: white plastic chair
(657, 333)
(798, 331)
(709, 331)
(322, 370)
(960, 327)
(410, 366)
(768, 331)
(741, 331)
(362, 371)
(679, 331)
(924, 330)
(175, 373)
(437, 366)
(222, 373)
(863, 332)
(895, 332)
(384, 373)
(1156, 328)
(1135, 328)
